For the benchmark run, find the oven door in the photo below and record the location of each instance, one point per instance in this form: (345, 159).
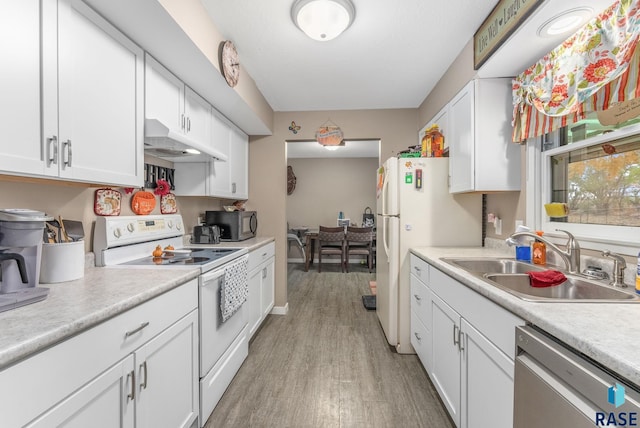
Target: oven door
(555, 387)
(215, 336)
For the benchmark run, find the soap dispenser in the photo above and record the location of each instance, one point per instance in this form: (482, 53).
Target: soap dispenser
(539, 253)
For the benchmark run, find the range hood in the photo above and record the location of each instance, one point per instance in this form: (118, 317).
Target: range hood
(162, 142)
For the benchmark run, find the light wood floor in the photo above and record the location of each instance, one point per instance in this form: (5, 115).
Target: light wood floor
(327, 364)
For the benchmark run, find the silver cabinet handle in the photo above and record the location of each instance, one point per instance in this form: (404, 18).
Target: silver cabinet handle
(417, 336)
(182, 118)
(233, 187)
(461, 341)
(188, 124)
(132, 394)
(264, 273)
(417, 269)
(67, 145)
(456, 335)
(136, 330)
(417, 296)
(52, 149)
(143, 384)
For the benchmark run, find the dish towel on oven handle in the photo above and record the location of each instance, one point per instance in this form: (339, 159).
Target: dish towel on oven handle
(235, 287)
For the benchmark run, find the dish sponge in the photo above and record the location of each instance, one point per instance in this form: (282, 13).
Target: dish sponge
(556, 209)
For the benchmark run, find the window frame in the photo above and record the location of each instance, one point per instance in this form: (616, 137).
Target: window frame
(619, 239)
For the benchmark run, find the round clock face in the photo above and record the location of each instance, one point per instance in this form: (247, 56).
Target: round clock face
(230, 63)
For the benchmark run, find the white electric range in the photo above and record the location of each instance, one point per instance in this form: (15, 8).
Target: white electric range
(129, 241)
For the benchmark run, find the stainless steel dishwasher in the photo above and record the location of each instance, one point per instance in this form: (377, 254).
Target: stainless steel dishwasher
(556, 387)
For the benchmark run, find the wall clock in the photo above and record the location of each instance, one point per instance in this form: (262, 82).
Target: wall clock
(229, 63)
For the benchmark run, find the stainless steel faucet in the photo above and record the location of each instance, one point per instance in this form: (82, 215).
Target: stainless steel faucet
(571, 256)
(619, 265)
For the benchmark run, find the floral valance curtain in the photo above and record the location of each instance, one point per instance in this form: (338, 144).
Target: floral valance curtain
(595, 68)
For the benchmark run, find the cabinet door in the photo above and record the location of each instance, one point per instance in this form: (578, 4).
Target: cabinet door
(20, 146)
(164, 95)
(100, 92)
(104, 402)
(461, 141)
(167, 377)
(239, 164)
(445, 373)
(487, 382)
(253, 305)
(220, 134)
(267, 294)
(198, 117)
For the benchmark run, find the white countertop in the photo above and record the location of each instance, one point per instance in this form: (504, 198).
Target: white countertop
(74, 306)
(609, 333)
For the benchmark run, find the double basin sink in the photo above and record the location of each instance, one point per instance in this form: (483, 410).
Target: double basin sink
(512, 276)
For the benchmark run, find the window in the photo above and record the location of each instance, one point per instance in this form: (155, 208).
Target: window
(595, 170)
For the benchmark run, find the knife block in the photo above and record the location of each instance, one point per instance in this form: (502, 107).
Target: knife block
(62, 262)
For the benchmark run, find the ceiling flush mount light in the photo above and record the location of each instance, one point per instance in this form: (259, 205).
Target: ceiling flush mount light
(323, 20)
(565, 22)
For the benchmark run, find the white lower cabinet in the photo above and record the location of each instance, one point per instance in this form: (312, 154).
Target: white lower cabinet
(487, 382)
(261, 285)
(468, 351)
(100, 403)
(138, 369)
(445, 372)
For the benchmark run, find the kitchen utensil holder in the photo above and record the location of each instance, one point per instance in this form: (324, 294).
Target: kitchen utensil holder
(62, 262)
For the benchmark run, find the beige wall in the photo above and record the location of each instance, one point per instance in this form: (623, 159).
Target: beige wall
(326, 186)
(267, 164)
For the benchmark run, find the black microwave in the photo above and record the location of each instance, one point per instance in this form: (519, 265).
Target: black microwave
(234, 225)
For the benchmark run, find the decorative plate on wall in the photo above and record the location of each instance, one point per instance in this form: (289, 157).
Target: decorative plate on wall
(107, 202)
(168, 204)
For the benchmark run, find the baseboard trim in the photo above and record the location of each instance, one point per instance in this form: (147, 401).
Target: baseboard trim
(280, 310)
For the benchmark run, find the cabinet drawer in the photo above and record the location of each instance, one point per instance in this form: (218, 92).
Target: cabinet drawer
(421, 301)
(421, 341)
(420, 268)
(495, 322)
(260, 255)
(34, 385)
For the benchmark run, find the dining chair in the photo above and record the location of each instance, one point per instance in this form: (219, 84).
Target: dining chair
(330, 243)
(359, 241)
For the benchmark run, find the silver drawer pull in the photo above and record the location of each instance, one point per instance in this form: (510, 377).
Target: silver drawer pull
(417, 336)
(52, 148)
(417, 269)
(132, 394)
(418, 298)
(136, 330)
(456, 336)
(143, 384)
(461, 341)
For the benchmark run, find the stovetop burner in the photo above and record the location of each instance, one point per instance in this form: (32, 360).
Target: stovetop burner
(195, 256)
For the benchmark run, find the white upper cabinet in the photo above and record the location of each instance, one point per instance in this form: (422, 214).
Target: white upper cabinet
(100, 112)
(20, 147)
(82, 80)
(175, 105)
(164, 95)
(482, 156)
(239, 163)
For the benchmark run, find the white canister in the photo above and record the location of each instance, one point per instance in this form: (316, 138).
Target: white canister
(62, 262)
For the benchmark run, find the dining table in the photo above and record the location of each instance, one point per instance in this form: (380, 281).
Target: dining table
(311, 236)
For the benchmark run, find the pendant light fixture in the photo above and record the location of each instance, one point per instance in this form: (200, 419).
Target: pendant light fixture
(323, 20)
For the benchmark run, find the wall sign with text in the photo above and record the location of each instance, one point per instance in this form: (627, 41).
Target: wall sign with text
(501, 22)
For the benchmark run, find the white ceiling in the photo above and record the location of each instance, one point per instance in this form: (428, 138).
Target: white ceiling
(391, 57)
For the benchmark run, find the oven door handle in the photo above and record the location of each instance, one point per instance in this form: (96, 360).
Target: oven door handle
(209, 277)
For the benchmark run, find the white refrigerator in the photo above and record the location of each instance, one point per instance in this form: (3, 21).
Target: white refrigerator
(415, 209)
